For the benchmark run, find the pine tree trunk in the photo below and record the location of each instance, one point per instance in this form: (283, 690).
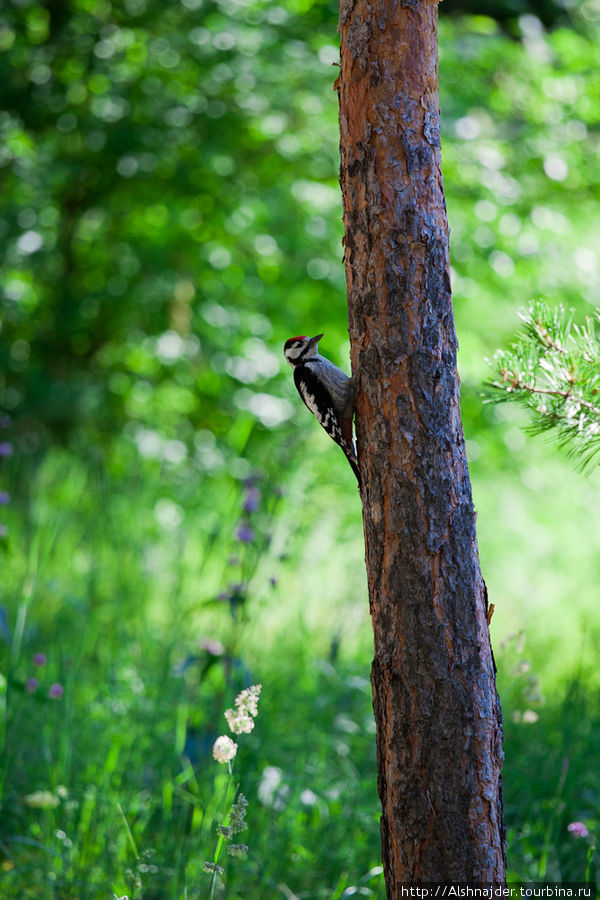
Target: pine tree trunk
(439, 726)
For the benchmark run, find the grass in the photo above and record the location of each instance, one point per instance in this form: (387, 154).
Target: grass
(151, 615)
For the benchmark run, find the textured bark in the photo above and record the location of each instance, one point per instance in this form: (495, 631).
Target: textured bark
(439, 727)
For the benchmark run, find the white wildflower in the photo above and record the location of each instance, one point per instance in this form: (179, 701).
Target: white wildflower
(247, 701)
(241, 719)
(224, 749)
(239, 723)
(42, 800)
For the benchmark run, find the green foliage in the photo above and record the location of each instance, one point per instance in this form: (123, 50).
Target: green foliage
(112, 787)
(171, 214)
(152, 614)
(167, 184)
(548, 783)
(519, 154)
(171, 210)
(554, 370)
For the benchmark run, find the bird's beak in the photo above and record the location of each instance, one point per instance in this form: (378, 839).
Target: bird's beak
(314, 341)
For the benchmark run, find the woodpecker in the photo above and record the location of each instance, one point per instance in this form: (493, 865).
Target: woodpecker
(326, 390)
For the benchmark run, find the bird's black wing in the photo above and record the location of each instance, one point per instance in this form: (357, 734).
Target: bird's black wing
(318, 399)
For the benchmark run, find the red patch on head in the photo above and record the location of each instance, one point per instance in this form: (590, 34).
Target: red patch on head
(290, 341)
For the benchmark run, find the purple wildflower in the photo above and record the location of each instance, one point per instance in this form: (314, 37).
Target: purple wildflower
(55, 691)
(578, 829)
(272, 581)
(31, 685)
(6, 448)
(4, 498)
(39, 659)
(245, 533)
(251, 500)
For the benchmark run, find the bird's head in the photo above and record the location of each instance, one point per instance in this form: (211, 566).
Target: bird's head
(299, 349)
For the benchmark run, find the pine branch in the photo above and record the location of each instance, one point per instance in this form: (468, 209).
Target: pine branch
(553, 369)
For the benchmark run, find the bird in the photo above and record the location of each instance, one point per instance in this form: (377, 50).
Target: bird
(326, 390)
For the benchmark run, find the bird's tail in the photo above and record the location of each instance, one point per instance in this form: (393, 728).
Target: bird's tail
(351, 457)
(356, 471)
(344, 439)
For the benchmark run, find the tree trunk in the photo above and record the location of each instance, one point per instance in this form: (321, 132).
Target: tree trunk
(439, 726)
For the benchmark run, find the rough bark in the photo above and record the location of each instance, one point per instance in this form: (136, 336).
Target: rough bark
(439, 727)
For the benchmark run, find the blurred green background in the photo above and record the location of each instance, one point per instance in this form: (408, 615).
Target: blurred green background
(174, 525)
